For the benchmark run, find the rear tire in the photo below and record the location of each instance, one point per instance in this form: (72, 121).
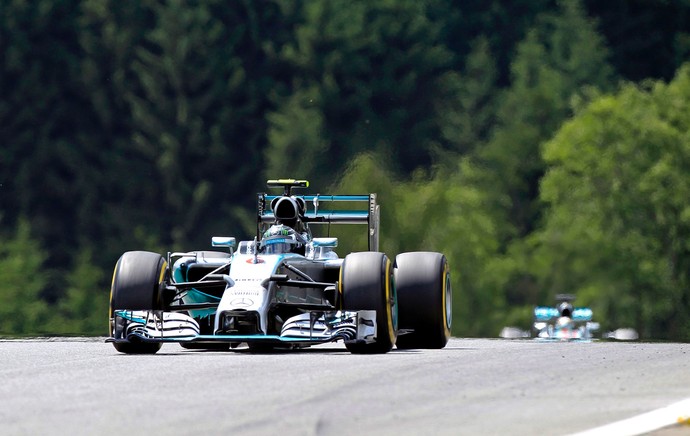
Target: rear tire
(366, 283)
(425, 300)
(136, 283)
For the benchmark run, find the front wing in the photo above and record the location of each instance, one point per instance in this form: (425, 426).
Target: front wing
(307, 329)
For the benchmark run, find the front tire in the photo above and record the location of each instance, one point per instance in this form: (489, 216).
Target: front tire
(136, 283)
(366, 283)
(425, 300)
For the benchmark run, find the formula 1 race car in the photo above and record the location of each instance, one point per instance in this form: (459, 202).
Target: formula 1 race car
(564, 322)
(561, 323)
(285, 288)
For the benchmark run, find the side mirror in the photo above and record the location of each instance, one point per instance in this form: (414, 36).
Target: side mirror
(322, 248)
(325, 242)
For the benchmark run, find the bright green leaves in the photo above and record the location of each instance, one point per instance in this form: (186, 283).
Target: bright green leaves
(22, 280)
(617, 188)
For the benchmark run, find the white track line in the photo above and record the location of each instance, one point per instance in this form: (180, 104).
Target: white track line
(676, 413)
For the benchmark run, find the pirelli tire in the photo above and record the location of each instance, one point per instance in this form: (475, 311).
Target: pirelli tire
(366, 283)
(136, 286)
(425, 304)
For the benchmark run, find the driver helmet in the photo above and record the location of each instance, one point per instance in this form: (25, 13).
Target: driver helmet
(280, 239)
(565, 309)
(564, 322)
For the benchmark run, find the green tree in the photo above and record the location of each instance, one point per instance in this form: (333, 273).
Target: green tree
(641, 47)
(467, 120)
(367, 77)
(192, 82)
(43, 111)
(500, 23)
(115, 214)
(561, 62)
(22, 280)
(618, 223)
(561, 56)
(181, 74)
(296, 135)
(84, 307)
(441, 212)
(494, 194)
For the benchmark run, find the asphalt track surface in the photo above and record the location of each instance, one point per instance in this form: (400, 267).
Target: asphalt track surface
(82, 386)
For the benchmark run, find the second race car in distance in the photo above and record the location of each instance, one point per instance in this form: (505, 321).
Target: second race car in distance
(564, 322)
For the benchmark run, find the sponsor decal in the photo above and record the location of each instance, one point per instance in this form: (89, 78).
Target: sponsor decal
(244, 292)
(257, 260)
(242, 302)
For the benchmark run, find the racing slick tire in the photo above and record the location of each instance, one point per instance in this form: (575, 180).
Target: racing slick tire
(366, 283)
(136, 284)
(425, 304)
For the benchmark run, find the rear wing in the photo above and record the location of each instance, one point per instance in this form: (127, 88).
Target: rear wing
(322, 209)
(545, 314)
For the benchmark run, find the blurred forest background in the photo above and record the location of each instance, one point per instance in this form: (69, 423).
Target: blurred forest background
(543, 146)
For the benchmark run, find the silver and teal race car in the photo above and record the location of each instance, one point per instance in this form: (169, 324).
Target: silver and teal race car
(284, 288)
(564, 322)
(560, 323)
